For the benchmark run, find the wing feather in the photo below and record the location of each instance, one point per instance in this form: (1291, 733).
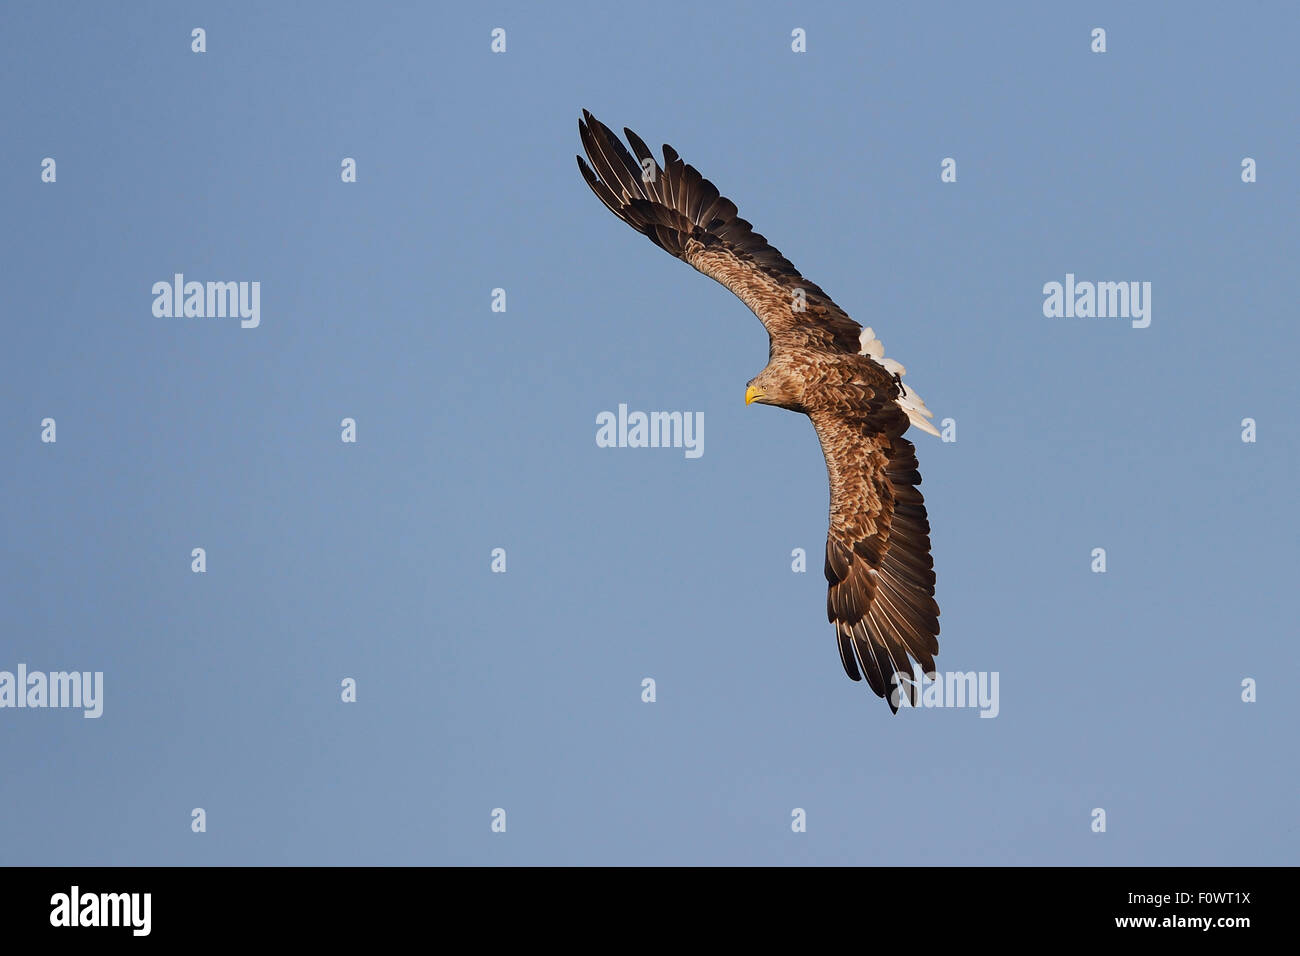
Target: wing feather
(879, 572)
(684, 214)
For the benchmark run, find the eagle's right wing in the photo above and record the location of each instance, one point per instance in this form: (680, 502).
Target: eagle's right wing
(683, 213)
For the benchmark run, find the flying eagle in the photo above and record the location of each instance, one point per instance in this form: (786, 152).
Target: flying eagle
(823, 364)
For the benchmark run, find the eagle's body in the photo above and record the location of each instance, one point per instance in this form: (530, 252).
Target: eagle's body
(823, 364)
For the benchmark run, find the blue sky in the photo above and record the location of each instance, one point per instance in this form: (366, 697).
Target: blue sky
(476, 430)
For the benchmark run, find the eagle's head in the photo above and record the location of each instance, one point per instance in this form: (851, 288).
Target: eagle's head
(776, 385)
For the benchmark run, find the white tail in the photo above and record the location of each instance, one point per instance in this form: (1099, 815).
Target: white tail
(908, 400)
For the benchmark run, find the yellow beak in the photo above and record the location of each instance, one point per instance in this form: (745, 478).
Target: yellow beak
(752, 395)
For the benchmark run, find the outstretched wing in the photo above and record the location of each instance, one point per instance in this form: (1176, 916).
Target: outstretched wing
(683, 213)
(878, 565)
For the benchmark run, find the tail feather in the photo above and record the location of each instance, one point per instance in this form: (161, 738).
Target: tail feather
(908, 400)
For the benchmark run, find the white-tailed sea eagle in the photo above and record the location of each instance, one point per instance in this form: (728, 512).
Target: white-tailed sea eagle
(825, 365)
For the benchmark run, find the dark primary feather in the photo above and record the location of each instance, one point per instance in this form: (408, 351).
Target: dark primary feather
(880, 576)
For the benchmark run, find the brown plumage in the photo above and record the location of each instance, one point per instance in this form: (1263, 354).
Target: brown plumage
(878, 564)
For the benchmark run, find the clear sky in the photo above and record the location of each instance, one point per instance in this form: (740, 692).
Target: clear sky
(476, 430)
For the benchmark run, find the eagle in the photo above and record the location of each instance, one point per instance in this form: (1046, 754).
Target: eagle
(822, 364)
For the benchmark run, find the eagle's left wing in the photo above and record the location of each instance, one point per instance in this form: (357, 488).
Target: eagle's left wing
(879, 572)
